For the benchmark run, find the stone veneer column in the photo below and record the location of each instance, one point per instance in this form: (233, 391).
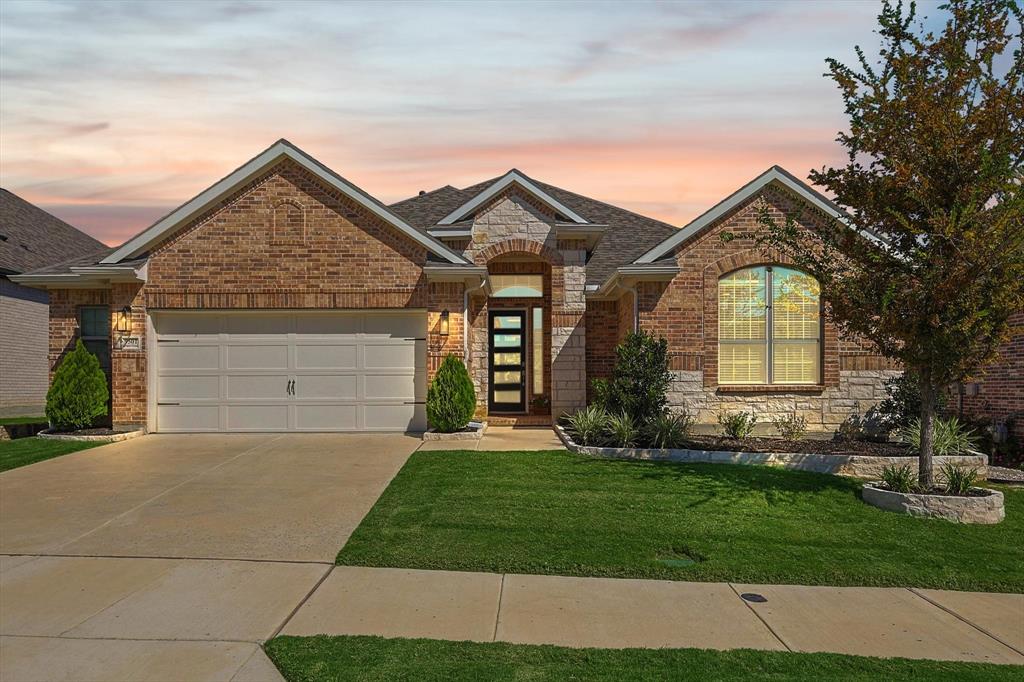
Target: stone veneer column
(568, 337)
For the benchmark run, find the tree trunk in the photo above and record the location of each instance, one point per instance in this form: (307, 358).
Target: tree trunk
(924, 462)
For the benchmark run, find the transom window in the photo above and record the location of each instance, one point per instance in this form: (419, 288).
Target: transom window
(517, 286)
(769, 327)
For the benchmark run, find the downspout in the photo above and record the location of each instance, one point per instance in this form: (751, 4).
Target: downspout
(636, 306)
(465, 318)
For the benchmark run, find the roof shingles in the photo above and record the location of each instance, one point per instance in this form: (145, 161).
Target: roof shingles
(31, 238)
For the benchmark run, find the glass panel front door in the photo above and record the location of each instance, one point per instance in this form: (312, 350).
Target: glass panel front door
(507, 367)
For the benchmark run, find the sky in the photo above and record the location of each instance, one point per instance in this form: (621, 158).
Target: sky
(112, 114)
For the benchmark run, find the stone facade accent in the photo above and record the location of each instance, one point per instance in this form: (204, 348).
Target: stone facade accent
(824, 409)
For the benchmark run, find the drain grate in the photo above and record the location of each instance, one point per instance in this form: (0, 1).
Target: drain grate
(753, 597)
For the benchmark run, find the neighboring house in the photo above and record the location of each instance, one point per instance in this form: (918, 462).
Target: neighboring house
(30, 238)
(997, 393)
(285, 298)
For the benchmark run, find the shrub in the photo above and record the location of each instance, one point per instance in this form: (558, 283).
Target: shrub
(79, 391)
(622, 431)
(451, 398)
(737, 424)
(588, 426)
(899, 479)
(790, 427)
(639, 381)
(903, 402)
(668, 430)
(950, 437)
(959, 479)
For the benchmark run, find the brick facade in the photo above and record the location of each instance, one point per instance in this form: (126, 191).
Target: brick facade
(998, 391)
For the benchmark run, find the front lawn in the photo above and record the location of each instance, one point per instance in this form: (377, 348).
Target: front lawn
(309, 659)
(558, 513)
(18, 453)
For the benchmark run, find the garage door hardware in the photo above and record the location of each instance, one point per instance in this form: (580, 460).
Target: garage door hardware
(163, 403)
(291, 387)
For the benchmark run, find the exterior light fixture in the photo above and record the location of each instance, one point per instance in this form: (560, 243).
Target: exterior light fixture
(444, 323)
(124, 320)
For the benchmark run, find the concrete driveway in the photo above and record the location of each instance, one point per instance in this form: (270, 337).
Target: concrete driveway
(174, 556)
(293, 497)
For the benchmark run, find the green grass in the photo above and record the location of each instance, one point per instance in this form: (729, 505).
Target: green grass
(11, 421)
(314, 659)
(18, 453)
(558, 513)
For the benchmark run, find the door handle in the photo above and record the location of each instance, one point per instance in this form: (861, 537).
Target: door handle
(290, 388)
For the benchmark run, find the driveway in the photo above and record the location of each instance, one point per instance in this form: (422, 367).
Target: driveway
(174, 556)
(293, 497)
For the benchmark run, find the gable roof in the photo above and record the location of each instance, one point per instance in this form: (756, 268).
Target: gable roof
(776, 174)
(281, 149)
(627, 235)
(496, 187)
(31, 238)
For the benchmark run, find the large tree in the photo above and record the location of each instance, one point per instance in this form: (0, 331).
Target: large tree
(930, 264)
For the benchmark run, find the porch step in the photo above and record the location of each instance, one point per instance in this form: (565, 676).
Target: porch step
(519, 420)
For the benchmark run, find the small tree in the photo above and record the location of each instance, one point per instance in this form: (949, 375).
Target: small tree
(640, 379)
(451, 398)
(934, 263)
(79, 391)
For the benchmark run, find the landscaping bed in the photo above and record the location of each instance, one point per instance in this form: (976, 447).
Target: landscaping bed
(803, 446)
(838, 463)
(562, 514)
(305, 659)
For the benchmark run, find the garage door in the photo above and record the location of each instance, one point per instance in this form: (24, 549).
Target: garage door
(336, 371)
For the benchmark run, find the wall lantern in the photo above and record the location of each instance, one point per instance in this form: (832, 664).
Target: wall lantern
(124, 320)
(444, 323)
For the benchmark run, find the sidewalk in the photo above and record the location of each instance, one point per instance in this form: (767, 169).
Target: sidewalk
(615, 613)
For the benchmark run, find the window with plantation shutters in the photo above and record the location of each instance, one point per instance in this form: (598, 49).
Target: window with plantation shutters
(769, 327)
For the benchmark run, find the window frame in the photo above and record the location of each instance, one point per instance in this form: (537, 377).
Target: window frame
(539, 289)
(769, 340)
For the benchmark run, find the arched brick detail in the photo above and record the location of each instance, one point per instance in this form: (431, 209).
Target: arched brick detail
(748, 259)
(512, 246)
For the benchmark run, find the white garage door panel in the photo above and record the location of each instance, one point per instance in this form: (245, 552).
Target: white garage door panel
(189, 357)
(258, 387)
(257, 417)
(326, 371)
(332, 356)
(327, 418)
(189, 387)
(188, 417)
(342, 387)
(257, 357)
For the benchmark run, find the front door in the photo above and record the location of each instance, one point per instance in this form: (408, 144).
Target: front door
(508, 361)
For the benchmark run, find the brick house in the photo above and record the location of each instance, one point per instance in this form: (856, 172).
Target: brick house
(286, 298)
(30, 238)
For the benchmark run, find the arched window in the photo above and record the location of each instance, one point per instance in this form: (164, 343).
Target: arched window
(769, 327)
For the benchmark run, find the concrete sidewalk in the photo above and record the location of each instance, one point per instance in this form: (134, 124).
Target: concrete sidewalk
(614, 613)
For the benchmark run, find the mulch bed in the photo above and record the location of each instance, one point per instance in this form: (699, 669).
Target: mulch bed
(809, 447)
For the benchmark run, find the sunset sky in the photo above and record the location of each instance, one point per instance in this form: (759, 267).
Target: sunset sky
(112, 114)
